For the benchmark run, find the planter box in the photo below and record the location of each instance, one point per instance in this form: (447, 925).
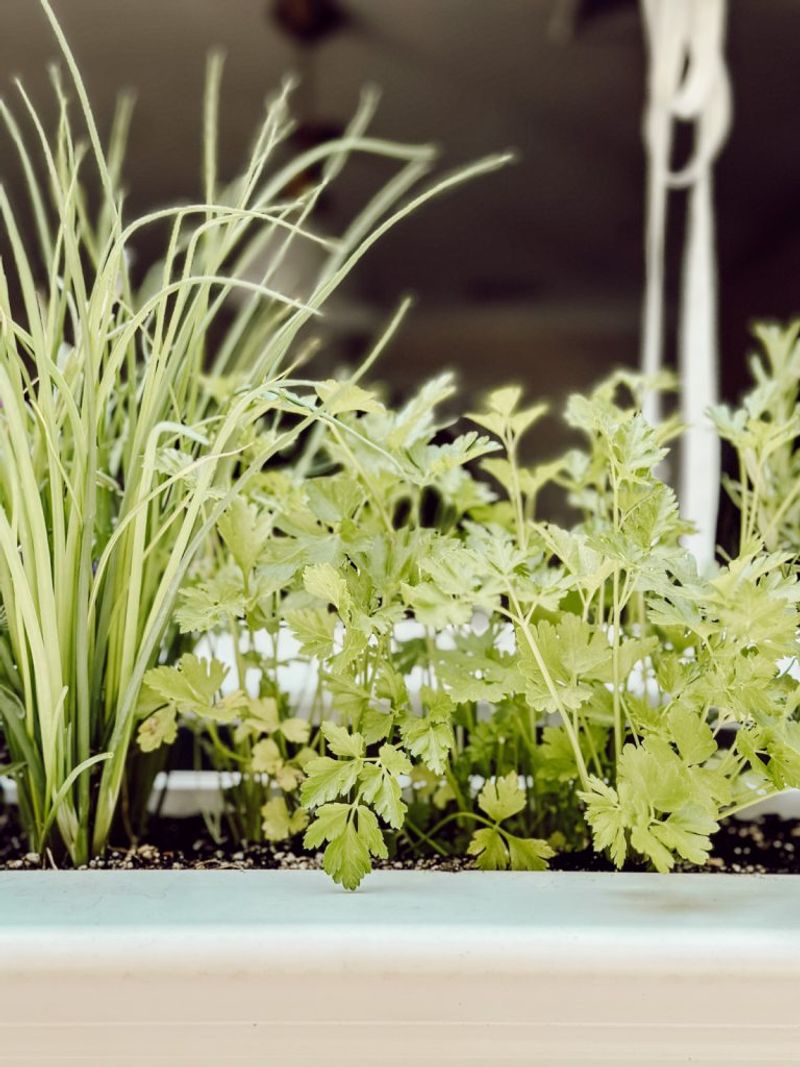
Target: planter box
(282, 968)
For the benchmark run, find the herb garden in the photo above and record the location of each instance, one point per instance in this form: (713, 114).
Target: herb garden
(358, 616)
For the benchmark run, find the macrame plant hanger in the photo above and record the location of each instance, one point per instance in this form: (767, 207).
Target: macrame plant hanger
(688, 81)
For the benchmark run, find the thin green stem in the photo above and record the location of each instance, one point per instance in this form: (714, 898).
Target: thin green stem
(519, 618)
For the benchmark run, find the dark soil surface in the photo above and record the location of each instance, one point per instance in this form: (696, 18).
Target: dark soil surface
(769, 846)
(184, 844)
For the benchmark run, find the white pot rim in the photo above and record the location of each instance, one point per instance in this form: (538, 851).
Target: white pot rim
(282, 967)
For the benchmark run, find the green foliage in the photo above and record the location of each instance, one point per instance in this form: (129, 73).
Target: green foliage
(278, 822)
(493, 846)
(764, 432)
(372, 787)
(491, 684)
(481, 682)
(430, 736)
(127, 435)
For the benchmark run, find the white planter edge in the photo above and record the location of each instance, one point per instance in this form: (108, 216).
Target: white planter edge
(281, 969)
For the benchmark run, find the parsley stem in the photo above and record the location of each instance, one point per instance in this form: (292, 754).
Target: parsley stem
(615, 667)
(540, 663)
(375, 494)
(457, 815)
(743, 510)
(772, 529)
(452, 781)
(423, 837)
(745, 804)
(519, 510)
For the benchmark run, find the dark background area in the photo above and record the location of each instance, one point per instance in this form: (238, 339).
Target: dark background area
(533, 274)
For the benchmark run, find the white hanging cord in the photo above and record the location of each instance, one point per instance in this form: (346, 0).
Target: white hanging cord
(688, 80)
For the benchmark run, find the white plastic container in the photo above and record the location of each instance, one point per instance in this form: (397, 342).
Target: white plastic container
(279, 969)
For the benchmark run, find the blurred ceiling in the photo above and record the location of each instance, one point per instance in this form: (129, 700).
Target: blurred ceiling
(533, 272)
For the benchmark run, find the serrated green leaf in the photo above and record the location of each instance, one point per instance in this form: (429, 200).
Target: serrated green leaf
(227, 708)
(314, 629)
(692, 734)
(288, 777)
(433, 607)
(189, 687)
(354, 837)
(606, 819)
(334, 498)
(266, 757)
(428, 739)
(327, 779)
(649, 844)
(502, 798)
(504, 400)
(521, 421)
(394, 760)
(341, 742)
(489, 420)
(278, 823)
(329, 822)
(244, 532)
(346, 859)
(339, 397)
(160, 728)
(370, 832)
(380, 786)
(489, 848)
(431, 463)
(296, 730)
(686, 834)
(210, 604)
(375, 725)
(323, 581)
(264, 713)
(528, 853)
